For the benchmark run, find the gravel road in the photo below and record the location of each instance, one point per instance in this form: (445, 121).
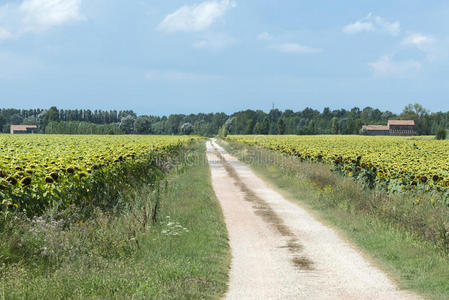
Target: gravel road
(279, 251)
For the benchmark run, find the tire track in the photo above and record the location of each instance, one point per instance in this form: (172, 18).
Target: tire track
(263, 210)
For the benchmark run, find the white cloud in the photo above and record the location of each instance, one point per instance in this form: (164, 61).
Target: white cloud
(373, 23)
(265, 36)
(214, 42)
(174, 75)
(295, 48)
(435, 49)
(385, 66)
(358, 27)
(196, 17)
(36, 16)
(43, 14)
(417, 39)
(5, 34)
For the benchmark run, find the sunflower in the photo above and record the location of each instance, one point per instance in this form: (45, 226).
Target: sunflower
(55, 176)
(12, 180)
(26, 181)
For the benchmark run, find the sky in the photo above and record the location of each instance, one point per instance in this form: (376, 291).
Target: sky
(160, 57)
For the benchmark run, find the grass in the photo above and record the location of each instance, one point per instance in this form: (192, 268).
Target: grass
(390, 229)
(183, 255)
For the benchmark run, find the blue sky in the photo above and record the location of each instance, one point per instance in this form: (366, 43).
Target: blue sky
(160, 57)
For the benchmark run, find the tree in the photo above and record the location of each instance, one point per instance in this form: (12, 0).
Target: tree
(350, 126)
(2, 121)
(127, 124)
(158, 127)
(334, 125)
(367, 114)
(265, 128)
(16, 119)
(419, 114)
(186, 128)
(229, 124)
(30, 121)
(223, 132)
(414, 112)
(257, 128)
(327, 113)
(53, 114)
(441, 134)
(281, 126)
(249, 126)
(174, 123)
(142, 125)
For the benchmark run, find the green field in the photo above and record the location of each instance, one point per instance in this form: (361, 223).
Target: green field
(122, 252)
(136, 216)
(399, 234)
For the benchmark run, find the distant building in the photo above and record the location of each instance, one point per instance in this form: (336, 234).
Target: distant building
(394, 128)
(23, 129)
(376, 130)
(402, 127)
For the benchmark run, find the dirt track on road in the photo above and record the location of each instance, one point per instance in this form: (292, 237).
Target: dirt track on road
(279, 251)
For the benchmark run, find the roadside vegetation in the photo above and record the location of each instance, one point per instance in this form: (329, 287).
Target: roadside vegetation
(404, 233)
(165, 240)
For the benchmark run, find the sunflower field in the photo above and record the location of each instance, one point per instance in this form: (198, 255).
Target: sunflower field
(396, 164)
(42, 171)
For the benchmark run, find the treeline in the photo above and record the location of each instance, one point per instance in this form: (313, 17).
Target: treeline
(306, 122)
(76, 127)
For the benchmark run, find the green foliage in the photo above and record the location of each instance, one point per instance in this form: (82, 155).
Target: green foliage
(394, 164)
(60, 171)
(127, 124)
(76, 127)
(223, 132)
(281, 126)
(250, 126)
(304, 122)
(265, 128)
(142, 125)
(118, 253)
(441, 134)
(187, 128)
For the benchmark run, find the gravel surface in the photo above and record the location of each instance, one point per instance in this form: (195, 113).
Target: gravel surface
(279, 251)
